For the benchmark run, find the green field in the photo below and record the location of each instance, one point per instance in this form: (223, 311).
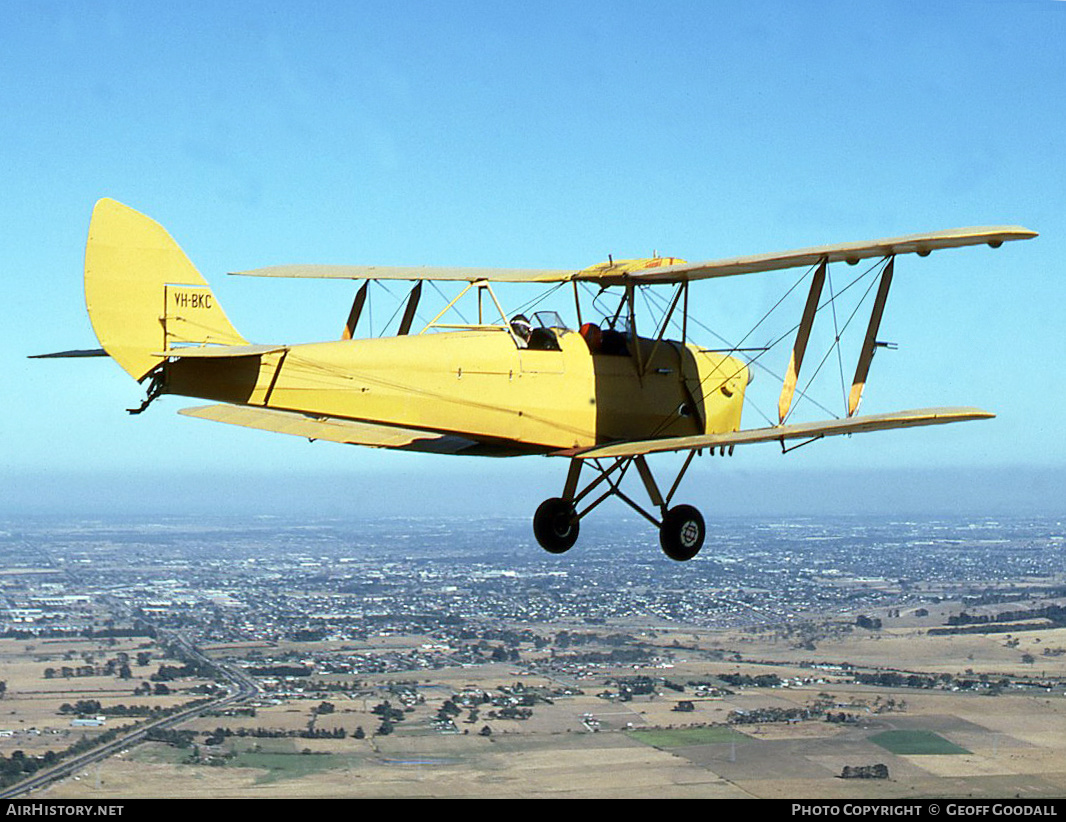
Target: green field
(288, 765)
(683, 737)
(277, 757)
(916, 743)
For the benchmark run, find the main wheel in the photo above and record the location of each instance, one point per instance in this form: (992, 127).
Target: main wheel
(556, 526)
(681, 533)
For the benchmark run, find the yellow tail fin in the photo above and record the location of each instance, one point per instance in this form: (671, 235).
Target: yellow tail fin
(143, 295)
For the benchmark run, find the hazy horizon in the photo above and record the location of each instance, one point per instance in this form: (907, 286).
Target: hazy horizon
(515, 492)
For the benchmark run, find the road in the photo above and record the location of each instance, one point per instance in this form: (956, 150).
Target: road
(242, 687)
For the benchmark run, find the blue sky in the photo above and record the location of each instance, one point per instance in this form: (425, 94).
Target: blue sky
(536, 135)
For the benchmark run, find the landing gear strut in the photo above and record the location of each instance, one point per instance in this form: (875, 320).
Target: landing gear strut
(557, 522)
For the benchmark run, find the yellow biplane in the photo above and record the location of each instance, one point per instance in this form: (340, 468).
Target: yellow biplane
(597, 393)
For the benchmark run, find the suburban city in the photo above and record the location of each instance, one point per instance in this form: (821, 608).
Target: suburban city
(822, 657)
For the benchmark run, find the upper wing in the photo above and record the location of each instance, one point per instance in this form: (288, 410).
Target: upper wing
(920, 244)
(827, 428)
(661, 270)
(412, 272)
(333, 429)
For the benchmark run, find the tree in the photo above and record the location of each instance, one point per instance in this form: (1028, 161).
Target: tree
(449, 709)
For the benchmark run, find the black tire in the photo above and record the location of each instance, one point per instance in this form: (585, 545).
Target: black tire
(682, 532)
(556, 526)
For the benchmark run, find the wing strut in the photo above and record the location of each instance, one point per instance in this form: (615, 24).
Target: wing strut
(870, 344)
(631, 298)
(788, 389)
(356, 312)
(409, 312)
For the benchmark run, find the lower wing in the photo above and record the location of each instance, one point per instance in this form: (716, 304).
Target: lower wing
(807, 430)
(333, 429)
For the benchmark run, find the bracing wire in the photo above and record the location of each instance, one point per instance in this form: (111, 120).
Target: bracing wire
(395, 311)
(836, 335)
(444, 297)
(532, 303)
(836, 341)
(755, 360)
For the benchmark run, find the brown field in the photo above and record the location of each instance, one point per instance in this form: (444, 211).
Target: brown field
(571, 767)
(1016, 741)
(30, 719)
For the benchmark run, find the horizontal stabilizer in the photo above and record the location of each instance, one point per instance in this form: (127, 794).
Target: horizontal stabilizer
(216, 351)
(333, 429)
(78, 352)
(779, 433)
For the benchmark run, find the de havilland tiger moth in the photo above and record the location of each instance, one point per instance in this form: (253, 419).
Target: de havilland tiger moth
(594, 392)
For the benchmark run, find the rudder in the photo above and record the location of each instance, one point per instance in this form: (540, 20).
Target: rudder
(143, 295)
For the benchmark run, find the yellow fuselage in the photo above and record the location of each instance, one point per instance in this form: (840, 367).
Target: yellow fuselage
(482, 385)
